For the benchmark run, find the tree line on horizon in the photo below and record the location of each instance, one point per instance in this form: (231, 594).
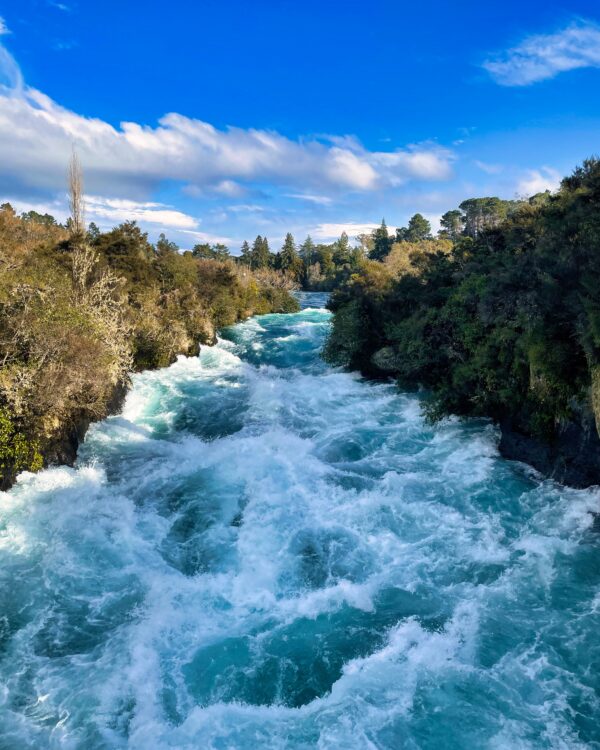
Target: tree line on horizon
(324, 266)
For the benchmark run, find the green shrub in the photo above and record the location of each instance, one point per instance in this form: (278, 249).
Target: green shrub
(17, 452)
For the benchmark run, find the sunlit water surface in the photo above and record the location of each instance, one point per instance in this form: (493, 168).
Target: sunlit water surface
(263, 552)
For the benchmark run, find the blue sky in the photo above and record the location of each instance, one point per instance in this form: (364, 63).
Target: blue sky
(221, 120)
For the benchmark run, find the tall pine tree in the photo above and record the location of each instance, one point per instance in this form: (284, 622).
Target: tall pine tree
(381, 242)
(261, 255)
(307, 250)
(418, 229)
(246, 254)
(288, 259)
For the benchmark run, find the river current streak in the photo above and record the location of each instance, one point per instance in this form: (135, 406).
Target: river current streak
(264, 552)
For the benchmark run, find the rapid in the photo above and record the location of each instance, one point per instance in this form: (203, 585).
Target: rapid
(261, 551)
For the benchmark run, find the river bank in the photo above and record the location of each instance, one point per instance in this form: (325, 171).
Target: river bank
(497, 317)
(80, 311)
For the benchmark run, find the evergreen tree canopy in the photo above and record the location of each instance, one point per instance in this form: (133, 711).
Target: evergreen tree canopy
(342, 250)
(164, 246)
(504, 323)
(418, 229)
(307, 250)
(246, 254)
(381, 242)
(288, 259)
(452, 224)
(260, 255)
(93, 232)
(485, 213)
(213, 252)
(34, 216)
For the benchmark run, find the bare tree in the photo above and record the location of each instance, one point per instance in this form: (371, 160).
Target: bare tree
(83, 257)
(97, 292)
(76, 200)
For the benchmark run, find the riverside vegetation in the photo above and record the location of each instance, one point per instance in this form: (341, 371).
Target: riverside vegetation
(79, 310)
(499, 317)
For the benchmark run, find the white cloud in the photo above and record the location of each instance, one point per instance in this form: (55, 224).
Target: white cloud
(107, 211)
(538, 181)
(146, 213)
(333, 231)
(425, 162)
(544, 56)
(229, 188)
(37, 136)
(3, 27)
(56, 208)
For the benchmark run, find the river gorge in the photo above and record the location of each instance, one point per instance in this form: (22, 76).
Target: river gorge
(262, 551)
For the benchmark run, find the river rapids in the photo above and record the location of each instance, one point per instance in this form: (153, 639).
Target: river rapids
(261, 551)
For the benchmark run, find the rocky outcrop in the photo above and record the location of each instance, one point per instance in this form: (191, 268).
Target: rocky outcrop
(64, 442)
(571, 457)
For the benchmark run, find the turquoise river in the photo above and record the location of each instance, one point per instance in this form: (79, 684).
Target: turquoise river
(264, 552)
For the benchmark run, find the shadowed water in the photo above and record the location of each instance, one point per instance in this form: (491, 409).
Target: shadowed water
(263, 552)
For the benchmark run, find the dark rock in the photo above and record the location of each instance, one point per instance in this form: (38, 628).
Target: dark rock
(62, 447)
(572, 457)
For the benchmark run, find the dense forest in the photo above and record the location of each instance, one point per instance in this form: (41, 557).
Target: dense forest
(314, 267)
(498, 316)
(80, 309)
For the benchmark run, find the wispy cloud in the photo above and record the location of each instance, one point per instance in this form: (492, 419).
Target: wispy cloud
(230, 188)
(107, 211)
(321, 200)
(206, 237)
(11, 79)
(538, 181)
(544, 56)
(57, 208)
(250, 208)
(3, 27)
(488, 168)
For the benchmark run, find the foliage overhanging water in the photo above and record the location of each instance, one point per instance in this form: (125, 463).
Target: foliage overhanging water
(262, 552)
